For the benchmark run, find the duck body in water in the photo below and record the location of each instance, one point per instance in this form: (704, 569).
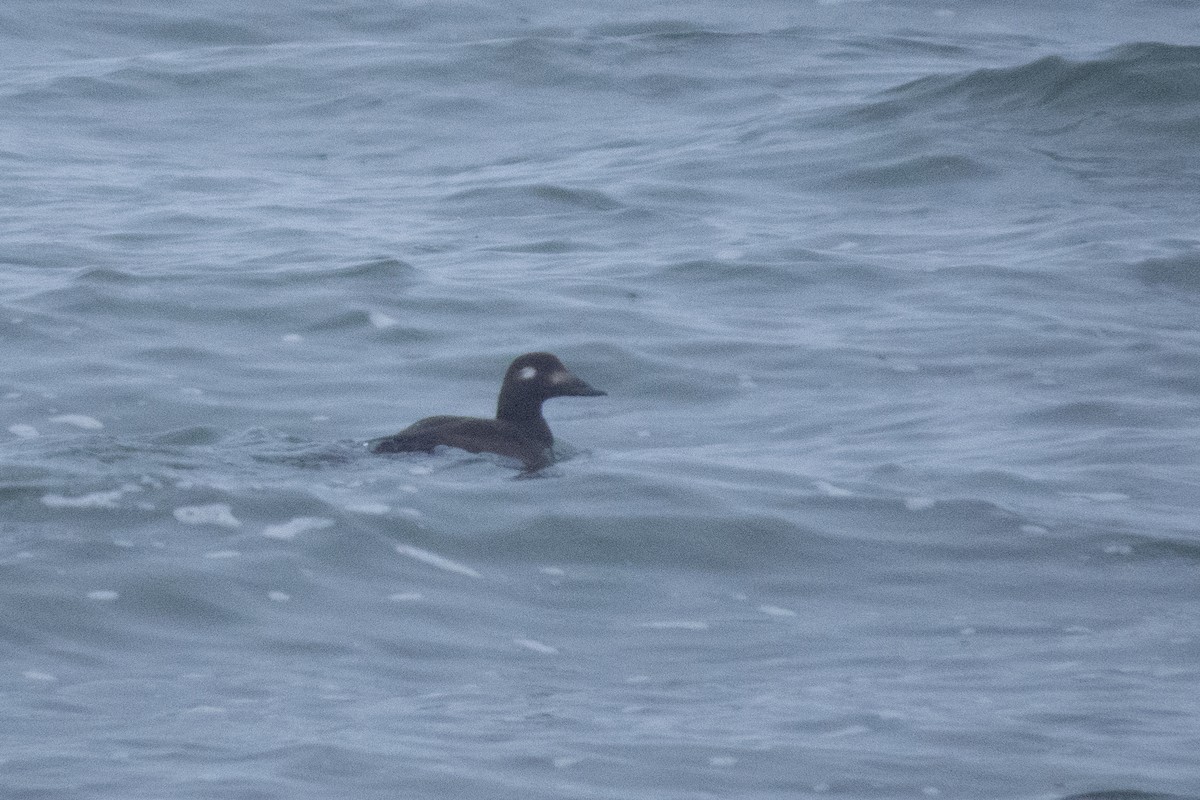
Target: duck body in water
(519, 430)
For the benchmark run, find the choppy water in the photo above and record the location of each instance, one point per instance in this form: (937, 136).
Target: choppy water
(895, 492)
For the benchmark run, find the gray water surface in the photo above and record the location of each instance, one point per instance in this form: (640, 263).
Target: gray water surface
(893, 494)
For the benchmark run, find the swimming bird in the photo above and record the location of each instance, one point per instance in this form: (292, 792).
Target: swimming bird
(519, 430)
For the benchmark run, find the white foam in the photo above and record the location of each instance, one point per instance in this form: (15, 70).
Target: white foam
(79, 421)
(292, 338)
(536, 646)
(93, 500)
(374, 509)
(34, 675)
(212, 514)
(278, 596)
(434, 560)
(381, 320)
(103, 595)
(216, 554)
(776, 611)
(829, 490)
(676, 625)
(23, 431)
(293, 528)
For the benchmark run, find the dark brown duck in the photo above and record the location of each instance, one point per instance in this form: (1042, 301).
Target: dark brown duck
(519, 430)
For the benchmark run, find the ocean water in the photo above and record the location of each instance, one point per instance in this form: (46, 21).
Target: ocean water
(895, 492)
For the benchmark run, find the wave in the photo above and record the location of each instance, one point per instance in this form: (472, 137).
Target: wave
(534, 199)
(1128, 794)
(1175, 272)
(1135, 77)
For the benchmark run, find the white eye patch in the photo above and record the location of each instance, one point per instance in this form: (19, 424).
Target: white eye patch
(527, 372)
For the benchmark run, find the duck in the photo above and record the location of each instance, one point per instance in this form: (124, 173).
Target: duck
(519, 430)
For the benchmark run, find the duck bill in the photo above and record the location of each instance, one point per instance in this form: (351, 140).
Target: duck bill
(571, 386)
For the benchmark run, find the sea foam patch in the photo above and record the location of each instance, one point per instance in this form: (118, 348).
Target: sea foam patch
(219, 514)
(381, 320)
(106, 499)
(434, 560)
(373, 509)
(293, 528)
(829, 490)
(79, 421)
(535, 646)
(675, 625)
